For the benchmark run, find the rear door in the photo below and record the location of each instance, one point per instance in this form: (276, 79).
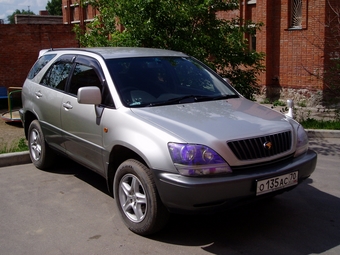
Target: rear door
(82, 128)
(48, 99)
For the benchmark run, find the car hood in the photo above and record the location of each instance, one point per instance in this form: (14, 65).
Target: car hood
(222, 120)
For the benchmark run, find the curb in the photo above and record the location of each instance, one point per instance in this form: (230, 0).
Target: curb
(15, 158)
(323, 133)
(19, 158)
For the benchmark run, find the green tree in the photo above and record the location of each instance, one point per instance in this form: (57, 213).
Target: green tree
(190, 26)
(11, 18)
(54, 7)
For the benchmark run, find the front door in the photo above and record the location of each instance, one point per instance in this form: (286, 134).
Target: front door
(82, 129)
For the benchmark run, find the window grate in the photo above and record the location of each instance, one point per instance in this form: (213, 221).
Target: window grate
(296, 17)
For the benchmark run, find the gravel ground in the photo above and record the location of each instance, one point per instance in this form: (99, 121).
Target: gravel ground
(11, 132)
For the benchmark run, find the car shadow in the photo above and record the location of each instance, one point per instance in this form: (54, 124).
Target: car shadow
(302, 221)
(324, 146)
(305, 220)
(15, 124)
(66, 166)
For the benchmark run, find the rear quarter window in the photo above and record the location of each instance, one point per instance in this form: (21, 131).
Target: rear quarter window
(39, 64)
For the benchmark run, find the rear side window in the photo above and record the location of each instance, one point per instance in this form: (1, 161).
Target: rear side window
(41, 62)
(56, 76)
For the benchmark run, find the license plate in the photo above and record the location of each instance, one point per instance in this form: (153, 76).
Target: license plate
(276, 183)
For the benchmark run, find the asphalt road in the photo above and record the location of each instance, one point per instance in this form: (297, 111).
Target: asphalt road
(68, 211)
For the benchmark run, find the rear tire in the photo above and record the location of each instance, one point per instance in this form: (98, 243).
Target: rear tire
(137, 199)
(41, 155)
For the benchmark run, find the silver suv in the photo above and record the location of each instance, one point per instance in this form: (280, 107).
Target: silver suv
(166, 132)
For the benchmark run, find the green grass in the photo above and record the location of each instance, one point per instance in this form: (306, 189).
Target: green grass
(17, 146)
(266, 101)
(320, 124)
(279, 103)
(274, 103)
(302, 103)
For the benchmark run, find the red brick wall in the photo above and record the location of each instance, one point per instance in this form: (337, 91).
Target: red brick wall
(332, 30)
(20, 46)
(297, 50)
(289, 53)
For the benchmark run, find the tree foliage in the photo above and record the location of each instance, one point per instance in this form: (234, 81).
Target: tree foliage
(54, 7)
(190, 26)
(11, 18)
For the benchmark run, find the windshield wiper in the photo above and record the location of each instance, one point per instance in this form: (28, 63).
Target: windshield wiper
(224, 97)
(192, 98)
(200, 98)
(186, 99)
(178, 100)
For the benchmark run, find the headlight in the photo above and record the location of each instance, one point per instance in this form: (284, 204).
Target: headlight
(194, 160)
(302, 141)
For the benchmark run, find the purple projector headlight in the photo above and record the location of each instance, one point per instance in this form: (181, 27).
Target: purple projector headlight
(195, 160)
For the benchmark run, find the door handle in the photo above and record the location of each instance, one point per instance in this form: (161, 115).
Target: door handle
(67, 105)
(38, 94)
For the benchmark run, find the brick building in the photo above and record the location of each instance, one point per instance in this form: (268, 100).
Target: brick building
(294, 37)
(20, 46)
(42, 18)
(75, 13)
(22, 41)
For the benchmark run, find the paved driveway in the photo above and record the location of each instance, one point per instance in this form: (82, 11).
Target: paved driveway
(68, 211)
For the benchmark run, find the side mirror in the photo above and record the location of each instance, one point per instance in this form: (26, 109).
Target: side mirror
(89, 95)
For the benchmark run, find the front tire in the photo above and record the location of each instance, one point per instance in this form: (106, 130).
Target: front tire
(41, 155)
(137, 198)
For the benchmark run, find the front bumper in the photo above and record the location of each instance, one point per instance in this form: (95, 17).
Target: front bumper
(184, 194)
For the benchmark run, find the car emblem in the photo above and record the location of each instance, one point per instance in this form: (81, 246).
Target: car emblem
(267, 145)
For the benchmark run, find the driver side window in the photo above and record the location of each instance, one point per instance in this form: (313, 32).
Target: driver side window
(83, 76)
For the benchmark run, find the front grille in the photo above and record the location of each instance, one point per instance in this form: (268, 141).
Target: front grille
(261, 147)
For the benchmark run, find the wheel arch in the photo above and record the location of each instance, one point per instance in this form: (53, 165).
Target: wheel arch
(118, 155)
(28, 118)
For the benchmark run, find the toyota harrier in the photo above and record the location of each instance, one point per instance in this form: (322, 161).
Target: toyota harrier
(165, 131)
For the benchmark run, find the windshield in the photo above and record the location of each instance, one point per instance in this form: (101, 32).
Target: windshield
(155, 81)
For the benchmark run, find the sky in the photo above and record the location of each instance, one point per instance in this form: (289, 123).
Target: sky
(7, 7)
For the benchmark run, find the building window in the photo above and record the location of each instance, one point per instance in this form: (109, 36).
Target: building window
(252, 43)
(72, 13)
(86, 12)
(296, 14)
